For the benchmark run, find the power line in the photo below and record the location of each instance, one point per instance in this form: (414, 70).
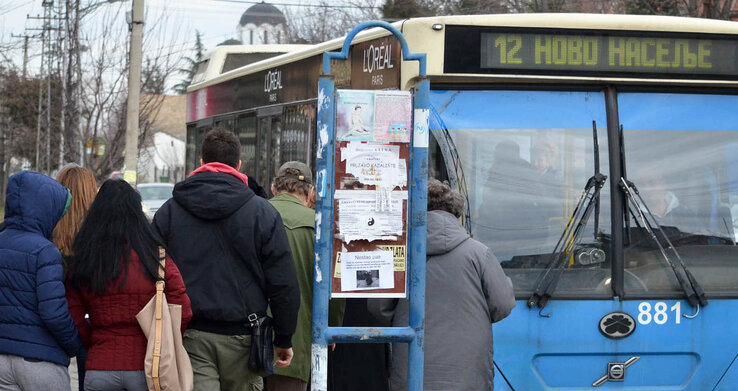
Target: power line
(299, 4)
(16, 7)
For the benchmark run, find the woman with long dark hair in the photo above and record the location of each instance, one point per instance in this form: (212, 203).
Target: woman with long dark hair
(111, 278)
(82, 185)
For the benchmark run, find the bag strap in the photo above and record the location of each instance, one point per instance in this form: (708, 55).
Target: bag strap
(248, 305)
(158, 319)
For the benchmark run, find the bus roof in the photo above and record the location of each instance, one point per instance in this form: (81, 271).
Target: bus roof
(212, 62)
(418, 32)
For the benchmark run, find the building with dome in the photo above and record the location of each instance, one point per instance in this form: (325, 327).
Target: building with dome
(262, 24)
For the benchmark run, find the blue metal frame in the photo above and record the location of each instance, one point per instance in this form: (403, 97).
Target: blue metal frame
(417, 200)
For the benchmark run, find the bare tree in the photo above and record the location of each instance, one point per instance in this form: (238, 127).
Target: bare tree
(325, 21)
(103, 98)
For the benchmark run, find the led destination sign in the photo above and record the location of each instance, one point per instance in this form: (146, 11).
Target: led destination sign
(601, 53)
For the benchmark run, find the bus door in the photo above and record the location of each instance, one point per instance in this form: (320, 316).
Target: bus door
(269, 121)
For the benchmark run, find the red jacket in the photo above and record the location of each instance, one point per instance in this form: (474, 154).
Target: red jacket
(112, 336)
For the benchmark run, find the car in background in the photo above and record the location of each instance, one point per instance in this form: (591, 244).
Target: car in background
(153, 196)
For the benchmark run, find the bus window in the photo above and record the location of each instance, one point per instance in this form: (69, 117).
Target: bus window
(225, 123)
(262, 148)
(296, 133)
(276, 147)
(436, 164)
(681, 155)
(525, 157)
(246, 131)
(200, 136)
(191, 149)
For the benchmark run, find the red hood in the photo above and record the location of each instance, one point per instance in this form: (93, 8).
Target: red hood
(220, 167)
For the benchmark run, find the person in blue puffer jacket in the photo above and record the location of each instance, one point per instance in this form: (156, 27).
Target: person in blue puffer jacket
(37, 333)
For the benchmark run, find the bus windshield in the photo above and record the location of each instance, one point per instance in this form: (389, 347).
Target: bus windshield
(525, 157)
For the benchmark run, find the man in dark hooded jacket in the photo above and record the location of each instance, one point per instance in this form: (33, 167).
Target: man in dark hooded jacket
(232, 250)
(37, 334)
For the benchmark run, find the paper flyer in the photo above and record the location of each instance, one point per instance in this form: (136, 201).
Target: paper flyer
(367, 270)
(374, 164)
(360, 219)
(355, 115)
(392, 118)
(380, 116)
(399, 256)
(399, 259)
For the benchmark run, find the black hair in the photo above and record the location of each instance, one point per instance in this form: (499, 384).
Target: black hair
(115, 225)
(221, 146)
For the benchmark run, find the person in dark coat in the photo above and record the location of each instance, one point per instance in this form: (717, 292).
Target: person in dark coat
(466, 291)
(37, 334)
(231, 246)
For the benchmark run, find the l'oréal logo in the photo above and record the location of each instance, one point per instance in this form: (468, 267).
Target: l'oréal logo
(273, 80)
(377, 58)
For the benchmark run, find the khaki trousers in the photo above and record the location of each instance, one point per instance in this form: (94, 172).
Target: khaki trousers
(220, 362)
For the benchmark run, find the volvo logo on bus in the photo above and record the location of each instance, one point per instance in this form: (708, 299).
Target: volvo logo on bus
(615, 371)
(617, 325)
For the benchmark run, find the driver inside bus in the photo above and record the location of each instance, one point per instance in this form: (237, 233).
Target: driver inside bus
(663, 203)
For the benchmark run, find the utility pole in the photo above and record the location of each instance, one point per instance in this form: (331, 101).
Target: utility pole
(134, 90)
(39, 113)
(25, 51)
(63, 34)
(4, 130)
(45, 71)
(25, 55)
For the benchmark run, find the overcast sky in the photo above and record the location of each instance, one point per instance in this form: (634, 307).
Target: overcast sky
(215, 19)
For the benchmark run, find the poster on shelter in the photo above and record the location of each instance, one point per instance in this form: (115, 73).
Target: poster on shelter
(362, 218)
(393, 116)
(355, 115)
(366, 270)
(375, 164)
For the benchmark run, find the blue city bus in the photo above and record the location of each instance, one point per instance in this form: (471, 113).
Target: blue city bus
(598, 155)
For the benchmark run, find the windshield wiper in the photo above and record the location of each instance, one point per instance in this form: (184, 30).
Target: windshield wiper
(590, 198)
(692, 289)
(564, 248)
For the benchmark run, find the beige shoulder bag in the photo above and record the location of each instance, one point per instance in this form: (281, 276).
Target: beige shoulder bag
(167, 365)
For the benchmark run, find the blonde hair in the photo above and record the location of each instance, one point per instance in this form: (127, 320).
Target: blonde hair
(81, 183)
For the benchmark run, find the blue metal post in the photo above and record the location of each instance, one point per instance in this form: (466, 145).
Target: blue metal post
(417, 228)
(324, 179)
(417, 204)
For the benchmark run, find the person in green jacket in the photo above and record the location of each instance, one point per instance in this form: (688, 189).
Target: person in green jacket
(292, 189)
